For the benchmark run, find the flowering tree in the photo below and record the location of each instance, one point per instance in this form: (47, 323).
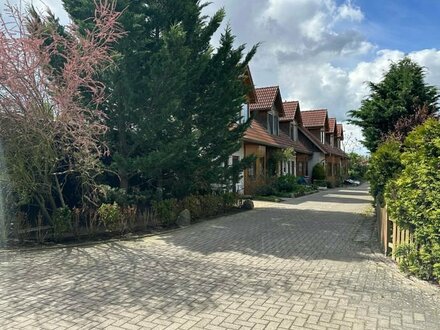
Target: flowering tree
(50, 124)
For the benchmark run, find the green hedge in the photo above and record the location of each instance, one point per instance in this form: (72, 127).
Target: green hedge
(413, 199)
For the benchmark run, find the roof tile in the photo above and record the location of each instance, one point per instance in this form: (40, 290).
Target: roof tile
(290, 109)
(314, 118)
(266, 97)
(332, 125)
(258, 134)
(340, 131)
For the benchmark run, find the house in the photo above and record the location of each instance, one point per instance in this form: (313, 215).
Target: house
(289, 124)
(237, 156)
(264, 140)
(322, 132)
(315, 124)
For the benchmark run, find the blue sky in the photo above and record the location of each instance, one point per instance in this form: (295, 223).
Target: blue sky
(322, 52)
(408, 25)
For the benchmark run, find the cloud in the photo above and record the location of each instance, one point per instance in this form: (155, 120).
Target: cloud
(348, 11)
(314, 49)
(56, 6)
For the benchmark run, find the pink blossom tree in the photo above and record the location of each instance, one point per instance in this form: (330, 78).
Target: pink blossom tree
(51, 127)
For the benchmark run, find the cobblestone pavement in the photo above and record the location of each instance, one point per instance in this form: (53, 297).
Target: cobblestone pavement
(303, 264)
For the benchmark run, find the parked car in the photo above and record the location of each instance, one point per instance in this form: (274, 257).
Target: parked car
(352, 182)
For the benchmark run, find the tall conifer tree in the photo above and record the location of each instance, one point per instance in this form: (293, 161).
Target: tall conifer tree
(401, 94)
(175, 100)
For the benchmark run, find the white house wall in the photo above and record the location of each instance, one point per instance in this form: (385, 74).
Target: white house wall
(240, 154)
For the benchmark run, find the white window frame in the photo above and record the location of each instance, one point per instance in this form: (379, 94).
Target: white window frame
(273, 129)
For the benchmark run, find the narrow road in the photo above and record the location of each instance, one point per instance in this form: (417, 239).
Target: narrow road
(307, 263)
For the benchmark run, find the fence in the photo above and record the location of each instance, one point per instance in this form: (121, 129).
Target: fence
(390, 234)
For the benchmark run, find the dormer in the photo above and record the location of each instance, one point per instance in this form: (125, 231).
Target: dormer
(317, 122)
(268, 109)
(331, 133)
(339, 135)
(291, 120)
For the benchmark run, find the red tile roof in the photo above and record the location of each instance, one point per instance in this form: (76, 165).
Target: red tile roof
(258, 134)
(340, 131)
(301, 148)
(266, 97)
(314, 118)
(290, 109)
(332, 125)
(325, 148)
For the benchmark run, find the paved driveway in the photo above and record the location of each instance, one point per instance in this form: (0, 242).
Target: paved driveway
(305, 263)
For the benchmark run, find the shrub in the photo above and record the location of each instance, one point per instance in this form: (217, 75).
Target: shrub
(413, 199)
(110, 216)
(266, 190)
(300, 191)
(194, 205)
(384, 165)
(211, 205)
(318, 172)
(320, 183)
(230, 200)
(167, 211)
(286, 183)
(61, 221)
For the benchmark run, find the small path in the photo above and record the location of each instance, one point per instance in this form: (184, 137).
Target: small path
(307, 263)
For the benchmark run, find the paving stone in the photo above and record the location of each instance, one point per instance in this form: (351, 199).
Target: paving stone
(310, 262)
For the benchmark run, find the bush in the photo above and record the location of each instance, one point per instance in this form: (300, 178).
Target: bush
(358, 166)
(318, 172)
(413, 199)
(211, 205)
(286, 183)
(194, 205)
(320, 183)
(384, 165)
(266, 190)
(167, 211)
(61, 221)
(230, 200)
(110, 216)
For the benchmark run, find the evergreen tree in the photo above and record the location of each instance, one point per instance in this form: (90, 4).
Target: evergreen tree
(175, 100)
(400, 94)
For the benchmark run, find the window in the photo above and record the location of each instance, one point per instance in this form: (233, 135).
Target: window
(244, 113)
(332, 140)
(235, 160)
(322, 136)
(270, 123)
(295, 131)
(273, 123)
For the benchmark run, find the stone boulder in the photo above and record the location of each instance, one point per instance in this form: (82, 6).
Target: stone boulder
(247, 204)
(184, 218)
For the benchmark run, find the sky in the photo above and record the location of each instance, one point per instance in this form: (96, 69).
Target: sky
(322, 52)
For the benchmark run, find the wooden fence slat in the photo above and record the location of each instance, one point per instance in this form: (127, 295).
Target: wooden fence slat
(390, 234)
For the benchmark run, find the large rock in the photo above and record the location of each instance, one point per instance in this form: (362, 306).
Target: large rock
(248, 204)
(184, 218)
